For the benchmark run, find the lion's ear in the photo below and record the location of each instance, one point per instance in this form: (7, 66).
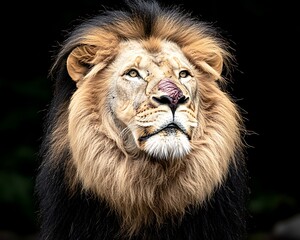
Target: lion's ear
(80, 61)
(213, 64)
(209, 57)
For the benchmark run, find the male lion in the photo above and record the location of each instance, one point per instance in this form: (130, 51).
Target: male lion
(142, 142)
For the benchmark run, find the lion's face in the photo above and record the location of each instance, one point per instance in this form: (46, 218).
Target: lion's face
(153, 96)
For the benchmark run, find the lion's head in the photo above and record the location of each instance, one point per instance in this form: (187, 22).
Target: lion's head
(147, 127)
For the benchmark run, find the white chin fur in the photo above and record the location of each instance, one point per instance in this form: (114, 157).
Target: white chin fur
(168, 147)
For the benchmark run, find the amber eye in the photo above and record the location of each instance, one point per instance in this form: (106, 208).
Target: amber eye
(133, 73)
(184, 74)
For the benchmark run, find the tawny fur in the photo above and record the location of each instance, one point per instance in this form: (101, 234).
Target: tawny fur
(104, 156)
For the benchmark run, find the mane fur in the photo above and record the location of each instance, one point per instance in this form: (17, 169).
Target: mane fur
(102, 162)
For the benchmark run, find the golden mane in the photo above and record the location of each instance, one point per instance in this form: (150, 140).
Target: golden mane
(104, 160)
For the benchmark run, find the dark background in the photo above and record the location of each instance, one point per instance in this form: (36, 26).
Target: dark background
(264, 35)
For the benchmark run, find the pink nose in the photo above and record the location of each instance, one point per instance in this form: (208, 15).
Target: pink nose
(171, 90)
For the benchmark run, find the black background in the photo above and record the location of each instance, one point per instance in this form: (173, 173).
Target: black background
(264, 35)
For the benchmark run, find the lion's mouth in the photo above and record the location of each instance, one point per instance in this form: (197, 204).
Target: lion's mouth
(172, 127)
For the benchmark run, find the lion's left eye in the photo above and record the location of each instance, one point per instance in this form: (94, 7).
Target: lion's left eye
(133, 73)
(184, 74)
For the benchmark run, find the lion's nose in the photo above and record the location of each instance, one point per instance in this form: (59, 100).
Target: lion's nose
(172, 102)
(173, 96)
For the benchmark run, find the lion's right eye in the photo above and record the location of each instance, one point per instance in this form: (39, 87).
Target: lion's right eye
(133, 73)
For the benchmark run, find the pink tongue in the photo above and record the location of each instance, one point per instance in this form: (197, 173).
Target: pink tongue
(170, 88)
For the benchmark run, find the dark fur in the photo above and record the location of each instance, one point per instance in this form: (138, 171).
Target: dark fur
(78, 215)
(82, 217)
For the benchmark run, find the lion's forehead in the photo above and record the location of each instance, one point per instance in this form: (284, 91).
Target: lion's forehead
(168, 57)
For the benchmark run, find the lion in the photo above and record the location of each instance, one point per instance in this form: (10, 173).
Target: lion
(142, 140)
